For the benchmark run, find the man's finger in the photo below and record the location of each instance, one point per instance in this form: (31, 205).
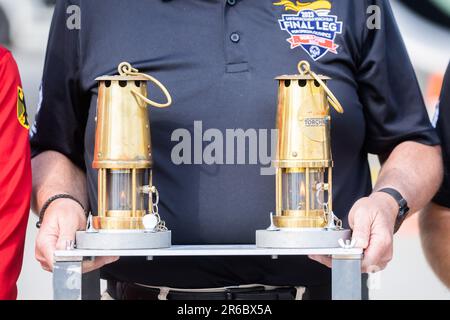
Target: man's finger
(325, 260)
(378, 254)
(361, 228)
(45, 247)
(97, 263)
(42, 261)
(45, 267)
(67, 231)
(64, 240)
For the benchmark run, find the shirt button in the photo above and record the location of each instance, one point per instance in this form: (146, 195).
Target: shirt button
(231, 2)
(235, 37)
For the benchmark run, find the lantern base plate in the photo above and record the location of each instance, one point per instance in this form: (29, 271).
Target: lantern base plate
(301, 239)
(123, 240)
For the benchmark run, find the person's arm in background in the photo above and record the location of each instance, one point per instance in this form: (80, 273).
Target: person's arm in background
(434, 224)
(397, 129)
(57, 144)
(434, 220)
(15, 175)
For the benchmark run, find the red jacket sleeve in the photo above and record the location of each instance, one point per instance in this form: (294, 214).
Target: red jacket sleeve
(15, 175)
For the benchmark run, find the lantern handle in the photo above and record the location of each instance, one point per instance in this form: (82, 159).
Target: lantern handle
(304, 68)
(125, 69)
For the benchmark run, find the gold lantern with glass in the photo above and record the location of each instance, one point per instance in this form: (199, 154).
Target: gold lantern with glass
(304, 203)
(127, 214)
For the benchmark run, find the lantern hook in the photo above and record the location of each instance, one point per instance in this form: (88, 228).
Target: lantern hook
(125, 69)
(304, 68)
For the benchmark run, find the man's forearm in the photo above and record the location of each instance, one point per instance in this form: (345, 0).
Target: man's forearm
(415, 170)
(54, 173)
(434, 226)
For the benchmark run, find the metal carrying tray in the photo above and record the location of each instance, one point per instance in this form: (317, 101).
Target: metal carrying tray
(69, 283)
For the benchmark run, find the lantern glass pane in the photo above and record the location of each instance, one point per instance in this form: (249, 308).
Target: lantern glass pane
(294, 191)
(118, 189)
(140, 182)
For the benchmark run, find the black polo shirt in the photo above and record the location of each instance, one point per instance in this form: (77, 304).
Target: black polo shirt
(443, 128)
(218, 59)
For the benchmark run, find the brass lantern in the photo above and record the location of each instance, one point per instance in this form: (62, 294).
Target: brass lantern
(303, 164)
(127, 198)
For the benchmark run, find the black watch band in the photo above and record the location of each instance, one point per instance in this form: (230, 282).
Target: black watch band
(49, 202)
(402, 204)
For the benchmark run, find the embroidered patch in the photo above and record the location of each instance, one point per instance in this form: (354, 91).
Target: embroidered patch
(22, 115)
(311, 27)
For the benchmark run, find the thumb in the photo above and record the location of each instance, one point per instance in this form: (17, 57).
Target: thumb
(67, 231)
(64, 240)
(360, 223)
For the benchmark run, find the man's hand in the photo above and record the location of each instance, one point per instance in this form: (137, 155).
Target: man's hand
(62, 219)
(372, 220)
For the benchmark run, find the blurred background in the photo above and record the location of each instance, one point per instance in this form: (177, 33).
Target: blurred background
(425, 25)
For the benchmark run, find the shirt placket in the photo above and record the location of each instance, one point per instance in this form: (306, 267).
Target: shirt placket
(236, 58)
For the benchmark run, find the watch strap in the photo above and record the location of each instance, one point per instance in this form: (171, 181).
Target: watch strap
(402, 204)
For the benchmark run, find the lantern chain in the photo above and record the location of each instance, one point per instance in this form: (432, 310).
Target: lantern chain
(333, 222)
(154, 209)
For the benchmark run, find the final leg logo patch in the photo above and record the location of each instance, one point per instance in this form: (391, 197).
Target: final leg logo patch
(22, 115)
(311, 27)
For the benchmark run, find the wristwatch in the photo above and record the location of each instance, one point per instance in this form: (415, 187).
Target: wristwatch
(402, 204)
